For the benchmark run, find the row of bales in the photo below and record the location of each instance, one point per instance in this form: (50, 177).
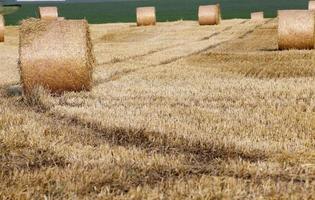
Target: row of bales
(207, 15)
(57, 54)
(146, 16)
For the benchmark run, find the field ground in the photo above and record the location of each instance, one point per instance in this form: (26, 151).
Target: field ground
(178, 111)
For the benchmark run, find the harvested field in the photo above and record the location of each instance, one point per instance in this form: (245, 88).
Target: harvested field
(178, 111)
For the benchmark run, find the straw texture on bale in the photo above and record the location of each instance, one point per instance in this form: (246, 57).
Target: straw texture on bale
(2, 27)
(209, 14)
(295, 29)
(311, 5)
(257, 16)
(48, 13)
(56, 55)
(146, 16)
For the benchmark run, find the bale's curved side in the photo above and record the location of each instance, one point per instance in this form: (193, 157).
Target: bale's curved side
(311, 5)
(2, 28)
(296, 29)
(48, 13)
(146, 16)
(56, 55)
(209, 15)
(257, 16)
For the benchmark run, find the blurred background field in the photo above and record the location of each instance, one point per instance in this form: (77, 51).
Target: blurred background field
(167, 10)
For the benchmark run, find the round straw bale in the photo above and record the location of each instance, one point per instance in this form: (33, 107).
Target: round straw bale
(56, 55)
(2, 27)
(146, 16)
(295, 29)
(209, 14)
(257, 16)
(311, 5)
(48, 13)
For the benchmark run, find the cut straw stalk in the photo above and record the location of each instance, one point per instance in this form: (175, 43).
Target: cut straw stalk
(2, 28)
(296, 29)
(56, 55)
(48, 13)
(146, 16)
(311, 5)
(257, 16)
(209, 15)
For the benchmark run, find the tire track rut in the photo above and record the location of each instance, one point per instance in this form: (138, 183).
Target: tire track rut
(168, 47)
(120, 74)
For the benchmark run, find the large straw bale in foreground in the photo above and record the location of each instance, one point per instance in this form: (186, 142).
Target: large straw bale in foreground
(56, 55)
(296, 29)
(257, 16)
(2, 27)
(311, 5)
(146, 16)
(48, 13)
(209, 15)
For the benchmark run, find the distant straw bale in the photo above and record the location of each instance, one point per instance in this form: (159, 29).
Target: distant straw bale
(146, 16)
(257, 16)
(296, 29)
(311, 5)
(56, 55)
(48, 13)
(2, 27)
(209, 14)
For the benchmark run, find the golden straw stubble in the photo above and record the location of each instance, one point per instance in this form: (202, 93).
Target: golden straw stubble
(257, 16)
(311, 5)
(2, 28)
(209, 14)
(48, 13)
(56, 55)
(296, 29)
(146, 16)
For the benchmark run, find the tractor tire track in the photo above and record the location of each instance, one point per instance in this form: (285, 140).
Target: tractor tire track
(256, 27)
(119, 75)
(113, 61)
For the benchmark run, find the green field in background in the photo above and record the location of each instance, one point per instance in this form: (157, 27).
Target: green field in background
(167, 10)
(8, 10)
